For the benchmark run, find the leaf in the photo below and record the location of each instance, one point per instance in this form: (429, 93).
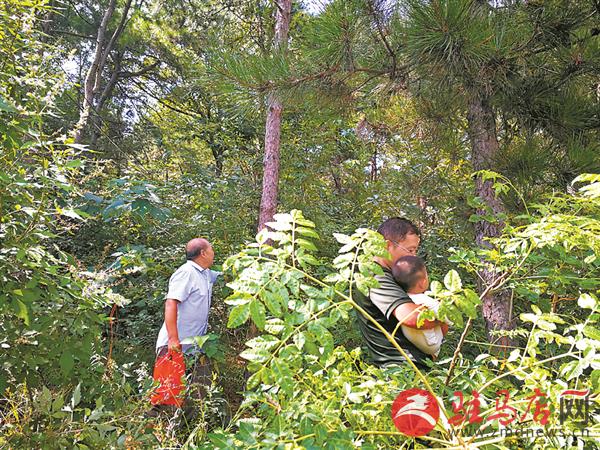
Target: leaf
(592, 332)
(308, 259)
(238, 315)
(22, 311)
(466, 307)
(343, 260)
(452, 281)
(468, 303)
(279, 226)
(255, 354)
(238, 298)
(6, 106)
(572, 369)
(299, 339)
(257, 312)
(346, 248)
(66, 362)
(221, 441)
(74, 163)
(265, 342)
(309, 232)
(76, 398)
(586, 301)
(72, 213)
(435, 287)
(304, 243)
(274, 326)
(342, 238)
(273, 302)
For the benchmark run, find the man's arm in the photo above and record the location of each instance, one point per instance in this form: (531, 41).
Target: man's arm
(408, 313)
(171, 324)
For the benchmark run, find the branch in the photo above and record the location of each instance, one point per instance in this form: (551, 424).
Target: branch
(69, 33)
(165, 104)
(127, 74)
(383, 38)
(112, 41)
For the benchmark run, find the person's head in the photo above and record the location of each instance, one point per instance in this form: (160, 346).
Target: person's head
(200, 251)
(411, 274)
(402, 238)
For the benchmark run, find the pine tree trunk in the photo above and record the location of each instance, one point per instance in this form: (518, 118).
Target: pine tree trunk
(496, 305)
(268, 201)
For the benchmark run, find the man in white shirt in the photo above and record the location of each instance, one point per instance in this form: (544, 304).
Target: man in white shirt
(187, 308)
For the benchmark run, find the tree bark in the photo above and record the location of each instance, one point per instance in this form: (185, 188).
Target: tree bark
(496, 305)
(93, 79)
(268, 201)
(93, 74)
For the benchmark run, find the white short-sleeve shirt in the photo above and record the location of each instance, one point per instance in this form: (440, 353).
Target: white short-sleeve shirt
(191, 285)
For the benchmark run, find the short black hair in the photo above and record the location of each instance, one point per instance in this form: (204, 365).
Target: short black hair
(407, 271)
(195, 247)
(396, 229)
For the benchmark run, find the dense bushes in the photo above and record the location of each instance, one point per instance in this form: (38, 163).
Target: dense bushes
(304, 391)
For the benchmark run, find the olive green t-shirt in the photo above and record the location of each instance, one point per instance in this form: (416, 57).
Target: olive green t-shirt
(380, 304)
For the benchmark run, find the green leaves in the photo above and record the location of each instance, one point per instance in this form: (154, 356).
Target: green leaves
(452, 38)
(257, 312)
(21, 309)
(452, 281)
(238, 315)
(355, 265)
(455, 301)
(586, 301)
(6, 106)
(66, 361)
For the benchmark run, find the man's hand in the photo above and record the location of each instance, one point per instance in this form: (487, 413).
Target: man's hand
(174, 344)
(444, 328)
(408, 313)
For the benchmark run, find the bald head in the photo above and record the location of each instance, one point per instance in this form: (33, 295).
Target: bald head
(196, 247)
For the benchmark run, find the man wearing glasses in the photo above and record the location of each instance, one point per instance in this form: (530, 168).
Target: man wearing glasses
(388, 304)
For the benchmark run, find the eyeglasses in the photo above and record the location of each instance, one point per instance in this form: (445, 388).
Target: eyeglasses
(412, 252)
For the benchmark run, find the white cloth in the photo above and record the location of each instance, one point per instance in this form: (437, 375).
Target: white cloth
(191, 284)
(428, 341)
(433, 336)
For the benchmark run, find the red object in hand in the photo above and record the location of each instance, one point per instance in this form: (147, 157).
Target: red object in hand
(169, 371)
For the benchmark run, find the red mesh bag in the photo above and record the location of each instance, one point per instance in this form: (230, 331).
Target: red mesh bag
(169, 371)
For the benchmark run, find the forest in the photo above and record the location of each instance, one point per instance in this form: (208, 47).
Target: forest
(285, 133)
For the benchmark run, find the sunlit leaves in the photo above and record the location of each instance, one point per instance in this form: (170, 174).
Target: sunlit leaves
(452, 281)
(238, 315)
(355, 263)
(257, 312)
(455, 301)
(586, 301)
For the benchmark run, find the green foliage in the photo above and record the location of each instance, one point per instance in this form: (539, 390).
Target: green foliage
(135, 198)
(43, 299)
(373, 127)
(305, 390)
(52, 390)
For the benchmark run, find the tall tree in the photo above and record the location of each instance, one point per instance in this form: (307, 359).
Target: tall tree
(93, 79)
(268, 201)
(524, 62)
(477, 53)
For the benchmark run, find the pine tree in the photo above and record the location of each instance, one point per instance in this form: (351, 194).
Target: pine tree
(483, 54)
(268, 202)
(517, 60)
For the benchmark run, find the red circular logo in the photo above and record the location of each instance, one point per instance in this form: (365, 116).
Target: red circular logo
(415, 412)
